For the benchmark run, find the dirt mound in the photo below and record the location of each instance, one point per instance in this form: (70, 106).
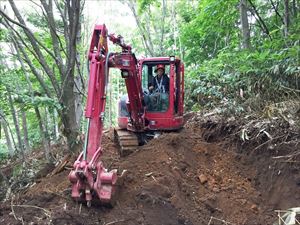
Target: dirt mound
(268, 142)
(176, 179)
(195, 177)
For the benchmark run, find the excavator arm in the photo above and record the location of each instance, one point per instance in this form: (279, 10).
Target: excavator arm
(89, 177)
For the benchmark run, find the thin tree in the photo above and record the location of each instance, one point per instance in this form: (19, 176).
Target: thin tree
(146, 38)
(260, 20)
(36, 109)
(15, 120)
(245, 24)
(24, 128)
(286, 18)
(7, 135)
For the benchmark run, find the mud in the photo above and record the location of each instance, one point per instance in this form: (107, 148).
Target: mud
(177, 179)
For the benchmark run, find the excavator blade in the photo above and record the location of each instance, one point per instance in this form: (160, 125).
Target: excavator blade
(127, 141)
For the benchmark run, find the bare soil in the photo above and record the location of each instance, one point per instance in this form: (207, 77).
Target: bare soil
(180, 178)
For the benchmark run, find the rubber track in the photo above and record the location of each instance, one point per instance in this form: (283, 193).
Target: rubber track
(127, 141)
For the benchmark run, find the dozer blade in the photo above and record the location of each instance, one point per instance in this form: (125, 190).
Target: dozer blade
(127, 141)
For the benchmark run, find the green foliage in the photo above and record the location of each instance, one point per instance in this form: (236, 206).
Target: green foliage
(3, 152)
(256, 73)
(210, 29)
(219, 71)
(116, 90)
(38, 21)
(157, 19)
(17, 170)
(144, 4)
(13, 81)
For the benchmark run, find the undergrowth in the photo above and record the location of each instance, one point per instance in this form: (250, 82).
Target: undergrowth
(243, 81)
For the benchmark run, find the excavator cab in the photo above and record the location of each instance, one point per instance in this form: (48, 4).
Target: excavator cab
(156, 87)
(163, 108)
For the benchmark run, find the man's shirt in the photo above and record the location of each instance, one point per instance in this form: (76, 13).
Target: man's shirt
(162, 84)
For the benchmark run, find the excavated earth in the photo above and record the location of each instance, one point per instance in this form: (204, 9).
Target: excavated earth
(180, 178)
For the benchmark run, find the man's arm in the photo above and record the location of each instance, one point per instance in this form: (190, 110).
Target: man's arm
(151, 84)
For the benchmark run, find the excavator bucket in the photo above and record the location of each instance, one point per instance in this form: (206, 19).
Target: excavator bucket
(89, 180)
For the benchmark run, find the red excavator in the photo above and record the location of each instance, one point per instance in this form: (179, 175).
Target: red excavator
(141, 112)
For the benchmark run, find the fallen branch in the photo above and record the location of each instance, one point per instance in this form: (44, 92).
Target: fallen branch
(80, 206)
(281, 136)
(47, 212)
(57, 194)
(154, 179)
(12, 209)
(113, 222)
(287, 156)
(290, 89)
(288, 161)
(220, 220)
(61, 165)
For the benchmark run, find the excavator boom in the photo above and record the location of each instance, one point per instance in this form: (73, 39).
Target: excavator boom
(89, 176)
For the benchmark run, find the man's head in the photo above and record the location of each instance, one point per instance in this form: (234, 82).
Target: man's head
(160, 70)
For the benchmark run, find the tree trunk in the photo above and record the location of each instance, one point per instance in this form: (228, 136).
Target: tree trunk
(10, 133)
(43, 133)
(78, 99)
(54, 125)
(79, 88)
(16, 122)
(286, 18)
(245, 24)
(261, 22)
(7, 137)
(25, 130)
(275, 8)
(145, 36)
(47, 124)
(37, 47)
(162, 28)
(294, 9)
(68, 114)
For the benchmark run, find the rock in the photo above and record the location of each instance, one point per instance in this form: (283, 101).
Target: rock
(254, 207)
(216, 190)
(212, 182)
(243, 201)
(202, 178)
(140, 220)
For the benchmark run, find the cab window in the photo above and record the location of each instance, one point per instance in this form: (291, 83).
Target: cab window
(156, 88)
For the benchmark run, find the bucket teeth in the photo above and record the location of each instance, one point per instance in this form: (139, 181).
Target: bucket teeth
(127, 141)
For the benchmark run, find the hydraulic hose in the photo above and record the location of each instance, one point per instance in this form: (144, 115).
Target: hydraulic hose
(106, 77)
(106, 71)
